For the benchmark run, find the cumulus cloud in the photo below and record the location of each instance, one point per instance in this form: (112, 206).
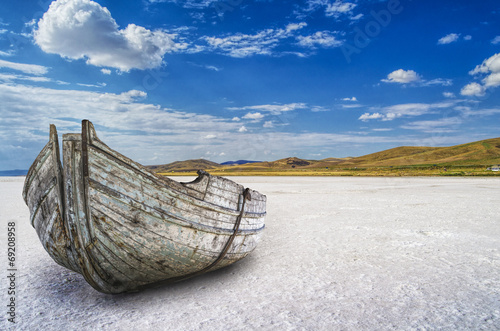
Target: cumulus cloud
(448, 39)
(402, 76)
(473, 89)
(449, 95)
(411, 77)
(490, 68)
(83, 29)
(491, 64)
(367, 116)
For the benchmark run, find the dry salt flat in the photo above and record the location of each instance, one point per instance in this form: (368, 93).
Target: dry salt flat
(337, 254)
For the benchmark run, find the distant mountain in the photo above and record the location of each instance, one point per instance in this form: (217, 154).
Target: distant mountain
(239, 162)
(16, 172)
(185, 166)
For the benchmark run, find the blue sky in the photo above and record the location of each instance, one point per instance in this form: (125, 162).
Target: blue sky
(167, 80)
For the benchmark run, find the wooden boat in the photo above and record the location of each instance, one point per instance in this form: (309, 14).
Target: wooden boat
(125, 228)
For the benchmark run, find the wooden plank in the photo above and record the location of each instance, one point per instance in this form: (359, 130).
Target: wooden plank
(161, 198)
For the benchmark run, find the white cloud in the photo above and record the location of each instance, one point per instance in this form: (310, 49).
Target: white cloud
(350, 99)
(316, 109)
(339, 7)
(382, 129)
(409, 76)
(92, 85)
(357, 17)
(32, 69)
(83, 29)
(448, 39)
(468, 37)
(334, 9)
(254, 116)
(274, 109)
(491, 64)
(353, 105)
(242, 45)
(437, 81)
(106, 71)
(242, 129)
(492, 80)
(13, 77)
(10, 52)
(295, 26)
(496, 40)
(406, 110)
(402, 76)
(210, 136)
(367, 116)
(268, 124)
(449, 95)
(213, 68)
(473, 89)
(236, 119)
(491, 68)
(323, 39)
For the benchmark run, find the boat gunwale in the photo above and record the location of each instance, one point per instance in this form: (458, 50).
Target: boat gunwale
(39, 162)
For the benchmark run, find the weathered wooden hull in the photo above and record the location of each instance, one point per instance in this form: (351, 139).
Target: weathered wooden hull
(124, 228)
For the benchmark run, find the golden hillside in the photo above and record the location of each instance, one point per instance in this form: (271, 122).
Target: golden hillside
(477, 154)
(482, 152)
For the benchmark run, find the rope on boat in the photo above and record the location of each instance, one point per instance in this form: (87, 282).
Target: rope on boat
(246, 196)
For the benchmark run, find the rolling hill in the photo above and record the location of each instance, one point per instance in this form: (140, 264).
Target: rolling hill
(479, 153)
(482, 152)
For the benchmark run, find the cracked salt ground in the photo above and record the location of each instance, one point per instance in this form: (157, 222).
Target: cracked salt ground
(337, 254)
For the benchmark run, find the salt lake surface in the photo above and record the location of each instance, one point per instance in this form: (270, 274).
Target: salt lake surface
(337, 254)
